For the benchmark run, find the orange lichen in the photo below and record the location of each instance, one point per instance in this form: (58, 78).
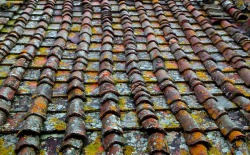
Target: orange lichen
(118, 48)
(38, 61)
(148, 76)
(27, 86)
(40, 106)
(198, 149)
(62, 73)
(90, 88)
(235, 134)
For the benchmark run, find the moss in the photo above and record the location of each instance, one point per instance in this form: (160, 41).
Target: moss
(95, 147)
(128, 150)
(6, 150)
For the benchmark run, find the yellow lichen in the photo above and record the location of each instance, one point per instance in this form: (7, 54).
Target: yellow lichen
(58, 151)
(6, 150)
(43, 50)
(88, 119)
(243, 90)
(213, 151)
(202, 75)
(58, 124)
(95, 147)
(94, 30)
(182, 87)
(76, 27)
(171, 65)
(128, 150)
(42, 152)
(88, 108)
(1, 81)
(39, 61)
(90, 88)
(197, 117)
(121, 103)
(71, 46)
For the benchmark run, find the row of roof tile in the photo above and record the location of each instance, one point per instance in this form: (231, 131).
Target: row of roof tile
(114, 132)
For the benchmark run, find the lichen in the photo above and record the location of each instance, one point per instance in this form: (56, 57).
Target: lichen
(75, 27)
(214, 150)
(6, 150)
(42, 152)
(88, 119)
(128, 150)
(95, 147)
(58, 124)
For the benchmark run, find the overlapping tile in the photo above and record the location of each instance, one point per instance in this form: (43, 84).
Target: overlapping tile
(76, 130)
(174, 100)
(224, 82)
(240, 38)
(64, 132)
(29, 141)
(230, 55)
(142, 99)
(14, 35)
(232, 10)
(210, 102)
(25, 57)
(112, 132)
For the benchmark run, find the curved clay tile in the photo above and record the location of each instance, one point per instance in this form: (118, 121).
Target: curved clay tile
(112, 132)
(125, 77)
(15, 34)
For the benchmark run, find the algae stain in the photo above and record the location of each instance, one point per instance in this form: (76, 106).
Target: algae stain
(6, 150)
(58, 124)
(95, 147)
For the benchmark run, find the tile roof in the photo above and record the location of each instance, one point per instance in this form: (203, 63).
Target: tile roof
(125, 77)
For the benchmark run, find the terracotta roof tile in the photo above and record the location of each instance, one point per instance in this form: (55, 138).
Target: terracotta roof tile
(124, 77)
